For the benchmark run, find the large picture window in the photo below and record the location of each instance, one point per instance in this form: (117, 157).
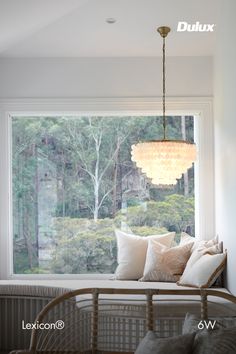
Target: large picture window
(73, 183)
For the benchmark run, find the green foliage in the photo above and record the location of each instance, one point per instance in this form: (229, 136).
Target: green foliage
(86, 246)
(71, 178)
(36, 270)
(148, 231)
(174, 213)
(177, 212)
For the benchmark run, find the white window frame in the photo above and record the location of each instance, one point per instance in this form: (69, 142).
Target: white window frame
(200, 107)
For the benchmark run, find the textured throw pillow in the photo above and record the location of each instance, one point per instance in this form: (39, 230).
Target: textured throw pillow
(198, 252)
(165, 264)
(173, 345)
(204, 271)
(221, 341)
(186, 238)
(132, 251)
(206, 244)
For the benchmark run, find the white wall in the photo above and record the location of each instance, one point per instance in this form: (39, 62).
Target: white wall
(104, 77)
(225, 135)
(115, 77)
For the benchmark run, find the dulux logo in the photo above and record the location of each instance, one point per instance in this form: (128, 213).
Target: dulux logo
(196, 27)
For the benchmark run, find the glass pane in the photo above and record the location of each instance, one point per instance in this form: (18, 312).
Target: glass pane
(74, 183)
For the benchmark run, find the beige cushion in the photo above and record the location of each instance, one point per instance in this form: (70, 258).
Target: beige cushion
(132, 251)
(199, 248)
(165, 264)
(205, 244)
(173, 345)
(199, 252)
(186, 238)
(203, 271)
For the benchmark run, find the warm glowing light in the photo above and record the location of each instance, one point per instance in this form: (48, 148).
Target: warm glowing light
(164, 161)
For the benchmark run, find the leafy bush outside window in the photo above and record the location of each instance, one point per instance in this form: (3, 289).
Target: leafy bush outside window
(74, 183)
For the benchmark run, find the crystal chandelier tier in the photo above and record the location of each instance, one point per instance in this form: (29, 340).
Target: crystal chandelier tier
(164, 161)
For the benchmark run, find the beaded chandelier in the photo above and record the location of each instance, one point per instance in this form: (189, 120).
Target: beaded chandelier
(164, 161)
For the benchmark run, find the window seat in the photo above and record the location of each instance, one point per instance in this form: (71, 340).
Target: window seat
(55, 287)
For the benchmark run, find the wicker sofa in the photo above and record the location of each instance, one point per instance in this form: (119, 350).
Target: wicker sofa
(21, 302)
(111, 317)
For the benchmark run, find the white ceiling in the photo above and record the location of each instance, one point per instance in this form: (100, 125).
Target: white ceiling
(78, 28)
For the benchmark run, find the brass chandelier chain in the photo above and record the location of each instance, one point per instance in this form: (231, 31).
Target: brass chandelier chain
(164, 32)
(164, 86)
(163, 161)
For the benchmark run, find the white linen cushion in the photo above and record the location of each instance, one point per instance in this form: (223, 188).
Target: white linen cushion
(198, 252)
(204, 271)
(132, 251)
(165, 264)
